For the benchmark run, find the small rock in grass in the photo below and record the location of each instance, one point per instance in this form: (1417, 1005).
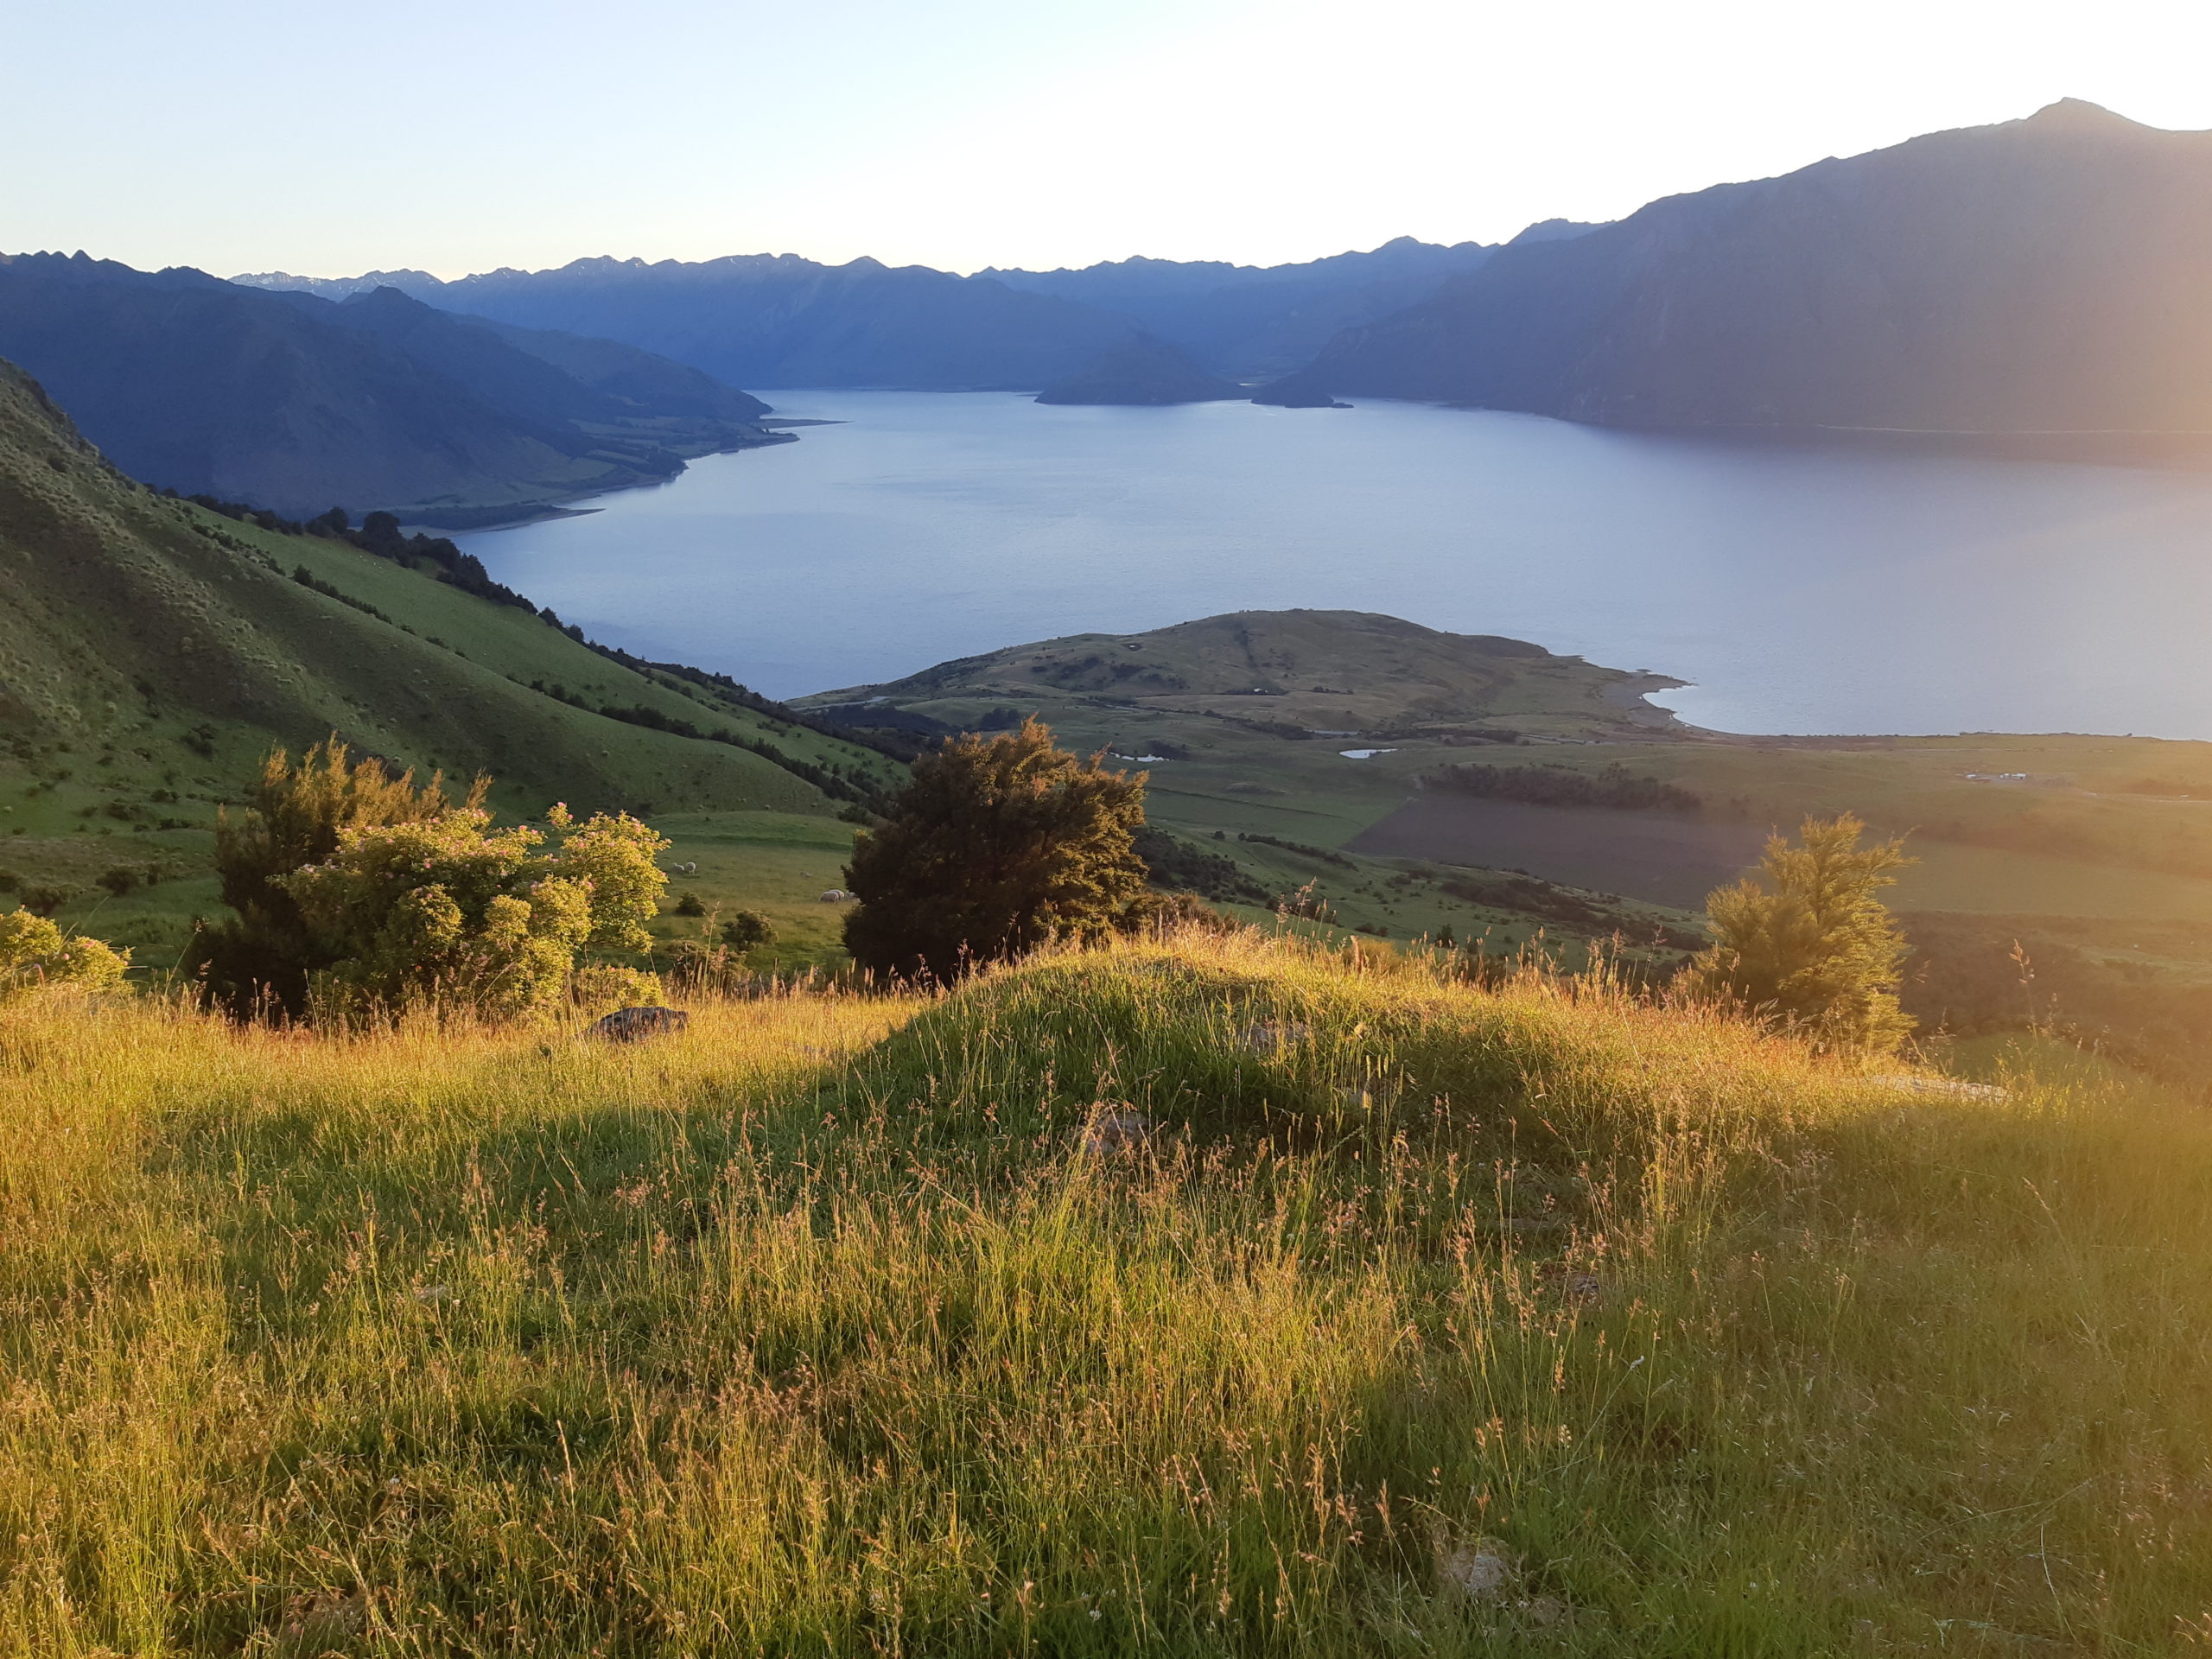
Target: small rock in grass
(1268, 1040)
(628, 1025)
(1543, 1610)
(1480, 1574)
(324, 1616)
(1119, 1131)
(1950, 1088)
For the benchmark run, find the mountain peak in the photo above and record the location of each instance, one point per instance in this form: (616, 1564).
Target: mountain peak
(2079, 115)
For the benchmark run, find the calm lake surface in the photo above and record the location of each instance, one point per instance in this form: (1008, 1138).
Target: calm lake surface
(1801, 590)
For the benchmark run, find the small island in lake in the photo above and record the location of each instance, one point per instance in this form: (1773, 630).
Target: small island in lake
(1144, 369)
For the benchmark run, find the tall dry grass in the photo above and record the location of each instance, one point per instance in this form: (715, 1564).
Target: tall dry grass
(819, 1330)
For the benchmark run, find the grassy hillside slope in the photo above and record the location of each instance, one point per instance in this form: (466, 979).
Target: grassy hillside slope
(818, 1330)
(1326, 671)
(150, 651)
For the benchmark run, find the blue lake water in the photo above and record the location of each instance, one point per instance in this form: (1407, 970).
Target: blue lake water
(1801, 590)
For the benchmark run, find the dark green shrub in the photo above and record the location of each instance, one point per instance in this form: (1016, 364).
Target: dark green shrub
(47, 898)
(747, 929)
(996, 846)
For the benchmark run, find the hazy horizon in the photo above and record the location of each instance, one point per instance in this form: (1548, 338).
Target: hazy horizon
(458, 139)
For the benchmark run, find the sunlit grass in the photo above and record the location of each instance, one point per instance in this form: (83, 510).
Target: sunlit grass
(818, 1330)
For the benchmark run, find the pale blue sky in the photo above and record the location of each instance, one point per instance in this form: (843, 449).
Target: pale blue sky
(460, 135)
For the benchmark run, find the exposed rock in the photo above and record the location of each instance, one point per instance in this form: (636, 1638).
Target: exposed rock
(324, 1618)
(1477, 1572)
(1123, 1130)
(1950, 1088)
(1270, 1038)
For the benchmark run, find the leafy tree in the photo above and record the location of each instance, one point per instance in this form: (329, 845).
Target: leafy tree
(36, 955)
(1813, 950)
(261, 961)
(449, 910)
(996, 846)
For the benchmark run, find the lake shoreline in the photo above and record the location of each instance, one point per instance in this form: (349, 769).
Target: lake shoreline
(1808, 590)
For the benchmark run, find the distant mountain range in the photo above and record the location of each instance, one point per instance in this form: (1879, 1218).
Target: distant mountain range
(2045, 277)
(294, 403)
(776, 320)
(1249, 321)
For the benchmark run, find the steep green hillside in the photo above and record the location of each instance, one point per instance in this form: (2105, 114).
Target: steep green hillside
(150, 649)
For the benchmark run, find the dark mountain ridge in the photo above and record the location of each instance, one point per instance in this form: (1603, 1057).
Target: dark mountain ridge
(777, 320)
(2045, 276)
(1252, 319)
(297, 403)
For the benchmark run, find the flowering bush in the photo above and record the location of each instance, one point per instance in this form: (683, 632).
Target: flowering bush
(449, 910)
(36, 955)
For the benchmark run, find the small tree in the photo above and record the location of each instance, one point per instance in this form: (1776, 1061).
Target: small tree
(747, 929)
(451, 909)
(36, 955)
(1813, 950)
(996, 846)
(265, 956)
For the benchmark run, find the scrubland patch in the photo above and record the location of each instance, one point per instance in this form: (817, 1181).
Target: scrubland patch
(1419, 1319)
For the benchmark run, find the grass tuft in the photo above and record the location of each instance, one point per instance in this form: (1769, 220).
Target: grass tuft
(1417, 1317)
